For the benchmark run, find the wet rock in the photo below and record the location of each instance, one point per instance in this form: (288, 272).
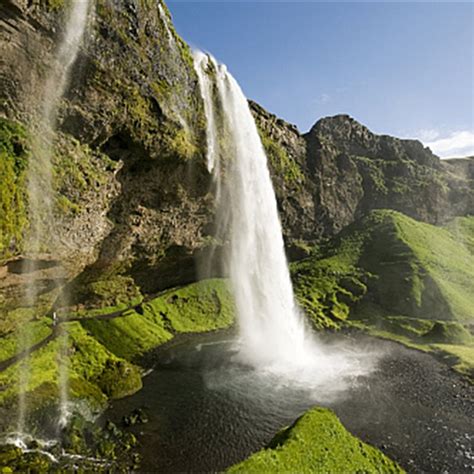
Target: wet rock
(137, 416)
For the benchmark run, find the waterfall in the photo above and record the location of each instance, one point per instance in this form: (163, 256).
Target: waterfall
(41, 196)
(272, 331)
(273, 338)
(166, 21)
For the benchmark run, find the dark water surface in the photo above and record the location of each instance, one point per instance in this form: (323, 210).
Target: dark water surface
(208, 412)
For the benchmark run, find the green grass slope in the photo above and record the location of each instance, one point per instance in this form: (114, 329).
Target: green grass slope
(317, 443)
(203, 306)
(405, 266)
(397, 277)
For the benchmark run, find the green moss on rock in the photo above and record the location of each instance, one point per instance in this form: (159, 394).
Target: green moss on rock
(283, 165)
(13, 459)
(448, 333)
(203, 306)
(119, 379)
(410, 268)
(395, 278)
(317, 443)
(100, 347)
(14, 157)
(95, 373)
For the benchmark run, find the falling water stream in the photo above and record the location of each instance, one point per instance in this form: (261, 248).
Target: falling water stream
(40, 239)
(273, 334)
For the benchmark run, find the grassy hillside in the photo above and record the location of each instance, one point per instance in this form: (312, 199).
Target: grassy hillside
(317, 442)
(397, 277)
(102, 351)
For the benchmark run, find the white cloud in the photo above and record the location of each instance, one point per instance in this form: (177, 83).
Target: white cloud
(323, 99)
(456, 144)
(428, 135)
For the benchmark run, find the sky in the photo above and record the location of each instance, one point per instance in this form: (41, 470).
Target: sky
(403, 69)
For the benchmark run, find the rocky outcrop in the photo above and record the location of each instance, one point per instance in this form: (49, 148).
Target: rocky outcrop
(346, 171)
(357, 171)
(286, 152)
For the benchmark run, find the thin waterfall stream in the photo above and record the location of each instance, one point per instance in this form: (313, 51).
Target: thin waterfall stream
(40, 239)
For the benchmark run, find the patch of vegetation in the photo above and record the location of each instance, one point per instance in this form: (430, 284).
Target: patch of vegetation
(181, 144)
(327, 289)
(130, 335)
(382, 177)
(450, 340)
(110, 291)
(374, 173)
(317, 442)
(409, 268)
(396, 278)
(284, 166)
(99, 351)
(119, 379)
(462, 229)
(203, 306)
(14, 156)
(78, 170)
(464, 355)
(95, 373)
(37, 330)
(101, 450)
(53, 5)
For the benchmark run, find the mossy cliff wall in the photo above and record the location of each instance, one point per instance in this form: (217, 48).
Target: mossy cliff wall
(132, 189)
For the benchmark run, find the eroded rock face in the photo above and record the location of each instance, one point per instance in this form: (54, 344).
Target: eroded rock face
(286, 152)
(360, 171)
(131, 180)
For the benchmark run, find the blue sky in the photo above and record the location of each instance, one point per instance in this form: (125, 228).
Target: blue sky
(405, 69)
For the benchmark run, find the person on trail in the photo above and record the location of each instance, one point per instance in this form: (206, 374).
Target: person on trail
(55, 319)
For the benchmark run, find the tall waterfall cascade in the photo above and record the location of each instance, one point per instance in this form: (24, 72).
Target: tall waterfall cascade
(273, 334)
(41, 195)
(272, 330)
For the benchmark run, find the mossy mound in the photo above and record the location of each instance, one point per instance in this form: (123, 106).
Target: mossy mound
(119, 379)
(448, 332)
(395, 277)
(203, 306)
(13, 459)
(317, 442)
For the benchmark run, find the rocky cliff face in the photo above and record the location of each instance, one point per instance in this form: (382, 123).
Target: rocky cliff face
(134, 207)
(130, 175)
(345, 171)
